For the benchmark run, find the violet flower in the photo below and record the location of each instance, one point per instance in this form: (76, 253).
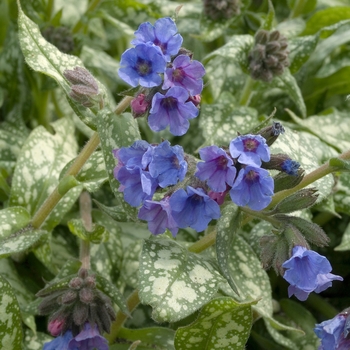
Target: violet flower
(193, 209)
(217, 168)
(59, 343)
(250, 149)
(142, 65)
(173, 110)
(186, 73)
(253, 187)
(88, 339)
(158, 215)
(306, 272)
(163, 35)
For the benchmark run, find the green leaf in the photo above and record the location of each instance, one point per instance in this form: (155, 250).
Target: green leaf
(251, 280)
(119, 212)
(151, 338)
(222, 121)
(331, 126)
(286, 83)
(41, 159)
(326, 17)
(227, 228)
(300, 49)
(310, 152)
(131, 264)
(13, 219)
(10, 318)
(270, 18)
(35, 341)
(342, 195)
(43, 57)
(174, 281)
(345, 241)
(97, 235)
(20, 242)
(279, 337)
(222, 324)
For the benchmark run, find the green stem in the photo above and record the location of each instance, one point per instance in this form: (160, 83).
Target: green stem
(123, 104)
(46, 208)
(49, 8)
(247, 92)
(91, 8)
(321, 305)
(204, 243)
(85, 213)
(132, 302)
(297, 9)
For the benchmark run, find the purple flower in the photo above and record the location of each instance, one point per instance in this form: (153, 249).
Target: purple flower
(253, 187)
(250, 149)
(290, 167)
(158, 215)
(306, 272)
(193, 209)
(88, 339)
(172, 109)
(333, 333)
(217, 168)
(142, 65)
(59, 343)
(137, 185)
(186, 73)
(168, 164)
(133, 156)
(162, 34)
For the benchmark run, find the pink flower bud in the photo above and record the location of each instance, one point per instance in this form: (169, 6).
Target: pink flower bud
(139, 105)
(196, 99)
(55, 327)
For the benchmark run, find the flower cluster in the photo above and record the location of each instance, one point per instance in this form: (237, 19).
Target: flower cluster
(239, 171)
(307, 271)
(143, 169)
(171, 82)
(334, 333)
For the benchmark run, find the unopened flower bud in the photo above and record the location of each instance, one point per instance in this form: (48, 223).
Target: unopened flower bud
(84, 86)
(90, 282)
(282, 162)
(221, 9)
(269, 56)
(196, 100)
(86, 295)
(80, 313)
(270, 133)
(139, 106)
(83, 273)
(56, 326)
(69, 297)
(76, 283)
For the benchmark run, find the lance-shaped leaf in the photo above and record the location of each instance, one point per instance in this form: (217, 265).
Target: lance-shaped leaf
(174, 281)
(227, 228)
(10, 318)
(12, 219)
(46, 58)
(222, 324)
(345, 241)
(35, 341)
(20, 242)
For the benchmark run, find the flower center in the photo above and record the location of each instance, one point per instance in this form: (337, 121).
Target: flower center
(169, 103)
(250, 145)
(163, 46)
(178, 74)
(143, 67)
(252, 176)
(222, 162)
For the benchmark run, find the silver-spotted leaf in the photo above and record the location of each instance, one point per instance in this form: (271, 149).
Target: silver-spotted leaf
(174, 281)
(10, 318)
(222, 324)
(12, 219)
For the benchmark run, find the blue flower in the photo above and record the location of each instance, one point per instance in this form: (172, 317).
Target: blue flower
(186, 73)
(306, 272)
(162, 34)
(142, 65)
(167, 164)
(172, 109)
(290, 167)
(88, 339)
(217, 168)
(333, 333)
(250, 149)
(193, 209)
(137, 185)
(59, 343)
(133, 156)
(253, 187)
(158, 215)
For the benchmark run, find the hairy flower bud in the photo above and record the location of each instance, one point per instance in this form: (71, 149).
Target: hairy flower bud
(282, 162)
(269, 56)
(84, 86)
(221, 9)
(140, 105)
(69, 297)
(76, 283)
(270, 133)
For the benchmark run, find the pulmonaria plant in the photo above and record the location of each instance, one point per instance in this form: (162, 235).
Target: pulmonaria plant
(171, 81)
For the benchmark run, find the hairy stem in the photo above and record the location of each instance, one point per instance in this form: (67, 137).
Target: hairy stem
(85, 213)
(247, 92)
(132, 302)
